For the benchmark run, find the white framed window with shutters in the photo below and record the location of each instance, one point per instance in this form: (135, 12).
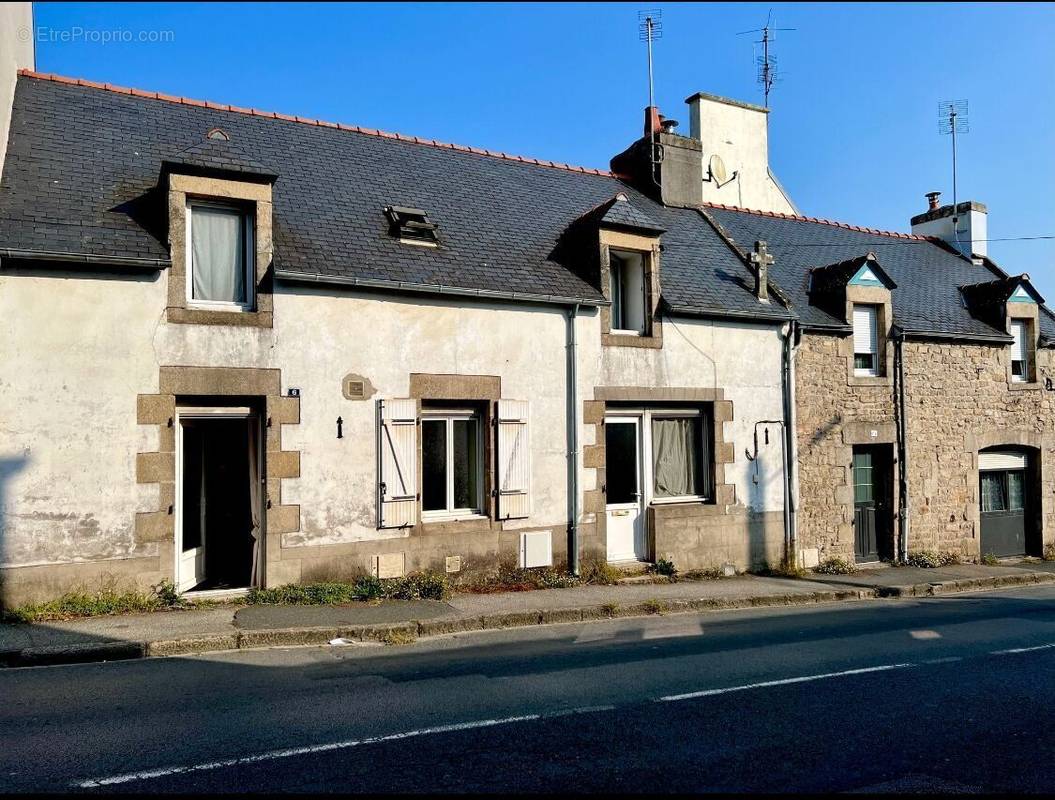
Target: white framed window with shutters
(220, 268)
(451, 464)
(866, 340)
(1021, 351)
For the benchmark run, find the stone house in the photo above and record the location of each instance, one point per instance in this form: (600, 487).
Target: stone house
(239, 348)
(924, 399)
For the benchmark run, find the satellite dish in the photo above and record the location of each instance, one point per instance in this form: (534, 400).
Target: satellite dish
(717, 168)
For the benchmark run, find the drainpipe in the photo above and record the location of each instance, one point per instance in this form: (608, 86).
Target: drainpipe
(902, 448)
(791, 446)
(573, 445)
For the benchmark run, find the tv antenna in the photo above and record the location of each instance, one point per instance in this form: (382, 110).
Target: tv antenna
(650, 28)
(767, 62)
(952, 119)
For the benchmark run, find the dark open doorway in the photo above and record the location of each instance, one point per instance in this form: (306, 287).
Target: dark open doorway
(873, 481)
(217, 471)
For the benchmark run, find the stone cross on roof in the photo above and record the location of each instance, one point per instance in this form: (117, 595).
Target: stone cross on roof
(761, 259)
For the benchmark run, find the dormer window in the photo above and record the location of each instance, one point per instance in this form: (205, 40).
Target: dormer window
(1021, 351)
(411, 225)
(866, 340)
(220, 266)
(628, 293)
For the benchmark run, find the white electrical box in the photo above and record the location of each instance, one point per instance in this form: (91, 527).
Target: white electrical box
(536, 549)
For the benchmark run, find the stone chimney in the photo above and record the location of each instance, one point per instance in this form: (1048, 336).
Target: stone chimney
(724, 159)
(965, 228)
(662, 164)
(16, 52)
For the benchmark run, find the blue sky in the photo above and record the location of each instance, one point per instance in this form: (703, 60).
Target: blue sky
(853, 131)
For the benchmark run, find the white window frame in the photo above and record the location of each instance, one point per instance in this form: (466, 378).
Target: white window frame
(448, 417)
(645, 416)
(873, 371)
(618, 294)
(248, 223)
(1023, 340)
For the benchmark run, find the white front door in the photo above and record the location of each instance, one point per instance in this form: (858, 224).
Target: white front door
(623, 496)
(190, 505)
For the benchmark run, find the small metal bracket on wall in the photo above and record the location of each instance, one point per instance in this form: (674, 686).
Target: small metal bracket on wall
(340, 426)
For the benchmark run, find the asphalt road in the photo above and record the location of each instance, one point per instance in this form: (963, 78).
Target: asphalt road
(947, 694)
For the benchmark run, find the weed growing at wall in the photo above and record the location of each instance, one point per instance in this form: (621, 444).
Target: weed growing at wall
(416, 586)
(929, 559)
(108, 600)
(834, 565)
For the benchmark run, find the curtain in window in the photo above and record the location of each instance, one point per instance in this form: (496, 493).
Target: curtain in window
(675, 457)
(993, 491)
(218, 265)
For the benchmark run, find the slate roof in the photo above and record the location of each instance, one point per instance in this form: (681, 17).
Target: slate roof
(622, 214)
(216, 154)
(83, 162)
(927, 299)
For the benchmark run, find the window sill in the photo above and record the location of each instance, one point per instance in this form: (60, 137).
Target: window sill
(209, 316)
(618, 339)
(678, 501)
(428, 519)
(871, 380)
(1024, 386)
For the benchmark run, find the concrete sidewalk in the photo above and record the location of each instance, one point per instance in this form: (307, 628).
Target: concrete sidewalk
(238, 626)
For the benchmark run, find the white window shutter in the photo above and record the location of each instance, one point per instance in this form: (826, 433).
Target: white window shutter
(398, 463)
(1018, 347)
(514, 460)
(866, 335)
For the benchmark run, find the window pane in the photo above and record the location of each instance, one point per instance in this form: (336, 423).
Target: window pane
(618, 309)
(621, 462)
(675, 457)
(1016, 491)
(993, 491)
(863, 487)
(865, 361)
(217, 254)
(466, 457)
(433, 465)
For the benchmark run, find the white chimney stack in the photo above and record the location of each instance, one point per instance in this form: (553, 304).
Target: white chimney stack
(966, 229)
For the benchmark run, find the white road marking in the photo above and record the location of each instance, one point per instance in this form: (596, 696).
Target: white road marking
(782, 682)
(671, 631)
(946, 660)
(291, 752)
(924, 634)
(1021, 650)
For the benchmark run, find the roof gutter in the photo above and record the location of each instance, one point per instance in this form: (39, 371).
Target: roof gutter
(695, 311)
(85, 258)
(429, 288)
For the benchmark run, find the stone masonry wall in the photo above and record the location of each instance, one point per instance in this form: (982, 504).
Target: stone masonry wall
(958, 401)
(830, 414)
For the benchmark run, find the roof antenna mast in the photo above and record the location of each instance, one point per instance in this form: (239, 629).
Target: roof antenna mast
(650, 28)
(767, 62)
(952, 119)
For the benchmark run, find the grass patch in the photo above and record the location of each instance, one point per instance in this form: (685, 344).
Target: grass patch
(990, 560)
(1049, 551)
(835, 566)
(104, 602)
(600, 573)
(610, 609)
(653, 607)
(707, 574)
(511, 578)
(416, 586)
(397, 637)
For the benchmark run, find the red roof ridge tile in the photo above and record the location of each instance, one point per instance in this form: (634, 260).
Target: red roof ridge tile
(833, 223)
(168, 98)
